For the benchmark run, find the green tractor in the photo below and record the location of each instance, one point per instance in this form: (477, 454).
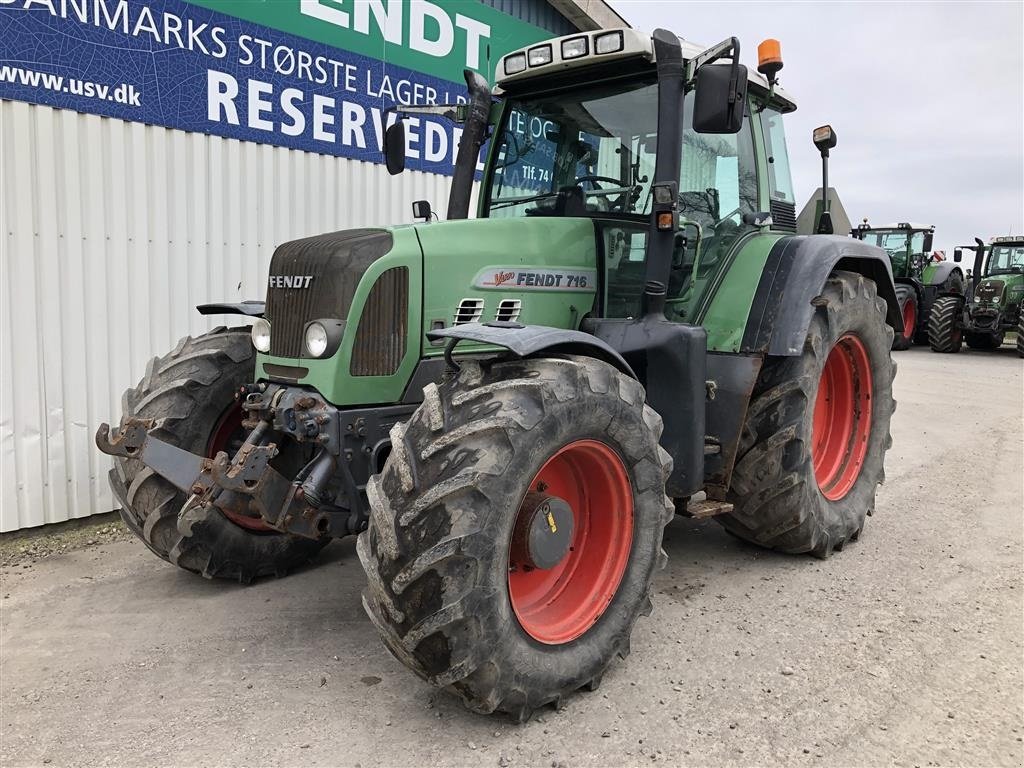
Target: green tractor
(508, 410)
(992, 305)
(920, 277)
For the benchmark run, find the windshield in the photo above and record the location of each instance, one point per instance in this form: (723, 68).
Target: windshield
(896, 244)
(1003, 259)
(587, 150)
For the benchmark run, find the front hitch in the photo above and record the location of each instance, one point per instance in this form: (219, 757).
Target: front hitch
(244, 485)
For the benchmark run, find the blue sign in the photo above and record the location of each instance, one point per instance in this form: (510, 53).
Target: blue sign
(183, 66)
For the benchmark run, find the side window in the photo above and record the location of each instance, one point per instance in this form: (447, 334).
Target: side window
(780, 181)
(717, 180)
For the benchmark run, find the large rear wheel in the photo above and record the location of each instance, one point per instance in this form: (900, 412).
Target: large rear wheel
(516, 528)
(812, 450)
(907, 297)
(190, 394)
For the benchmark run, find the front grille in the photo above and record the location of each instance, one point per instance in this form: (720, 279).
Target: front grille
(991, 291)
(333, 264)
(783, 215)
(380, 342)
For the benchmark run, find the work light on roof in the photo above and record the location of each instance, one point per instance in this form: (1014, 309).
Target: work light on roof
(574, 47)
(609, 42)
(540, 55)
(515, 63)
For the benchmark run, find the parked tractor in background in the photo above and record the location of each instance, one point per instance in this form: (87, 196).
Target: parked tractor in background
(991, 307)
(509, 410)
(920, 276)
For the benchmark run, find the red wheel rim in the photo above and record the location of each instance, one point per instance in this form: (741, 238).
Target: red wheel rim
(909, 318)
(842, 418)
(559, 604)
(229, 429)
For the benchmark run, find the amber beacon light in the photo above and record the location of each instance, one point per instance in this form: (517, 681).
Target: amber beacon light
(769, 59)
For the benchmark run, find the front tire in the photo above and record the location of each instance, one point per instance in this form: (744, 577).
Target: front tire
(442, 551)
(944, 332)
(817, 428)
(1020, 334)
(189, 393)
(907, 298)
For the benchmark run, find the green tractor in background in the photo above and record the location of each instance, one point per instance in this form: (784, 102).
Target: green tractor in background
(992, 306)
(509, 410)
(920, 277)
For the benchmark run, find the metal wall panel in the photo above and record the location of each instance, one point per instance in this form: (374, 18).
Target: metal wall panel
(540, 13)
(110, 234)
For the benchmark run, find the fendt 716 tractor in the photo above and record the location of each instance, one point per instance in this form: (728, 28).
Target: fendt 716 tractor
(920, 278)
(510, 409)
(992, 305)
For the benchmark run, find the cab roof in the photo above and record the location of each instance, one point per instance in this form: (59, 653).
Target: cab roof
(635, 45)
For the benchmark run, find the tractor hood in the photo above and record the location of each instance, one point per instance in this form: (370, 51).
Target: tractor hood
(315, 278)
(990, 291)
(537, 270)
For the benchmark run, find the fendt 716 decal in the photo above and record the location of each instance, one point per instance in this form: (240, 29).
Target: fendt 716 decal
(536, 279)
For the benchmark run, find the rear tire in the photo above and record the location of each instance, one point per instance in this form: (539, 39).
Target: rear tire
(438, 553)
(785, 495)
(907, 298)
(944, 332)
(187, 392)
(984, 341)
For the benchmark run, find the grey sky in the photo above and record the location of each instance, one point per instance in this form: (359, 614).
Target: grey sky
(927, 100)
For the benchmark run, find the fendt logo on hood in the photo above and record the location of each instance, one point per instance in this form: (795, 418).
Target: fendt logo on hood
(290, 281)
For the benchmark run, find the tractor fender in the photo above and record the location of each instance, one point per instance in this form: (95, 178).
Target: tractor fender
(795, 274)
(529, 340)
(247, 308)
(940, 272)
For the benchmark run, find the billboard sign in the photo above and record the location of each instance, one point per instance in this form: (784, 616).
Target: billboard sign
(314, 75)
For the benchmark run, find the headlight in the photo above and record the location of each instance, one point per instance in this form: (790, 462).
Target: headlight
(515, 63)
(316, 339)
(261, 335)
(977, 299)
(610, 42)
(540, 55)
(574, 48)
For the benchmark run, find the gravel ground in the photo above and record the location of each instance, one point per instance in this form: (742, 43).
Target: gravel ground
(905, 649)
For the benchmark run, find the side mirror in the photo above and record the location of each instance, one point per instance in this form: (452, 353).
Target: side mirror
(958, 255)
(421, 210)
(928, 243)
(394, 148)
(713, 111)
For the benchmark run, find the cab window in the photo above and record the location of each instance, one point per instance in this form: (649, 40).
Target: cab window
(780, 181)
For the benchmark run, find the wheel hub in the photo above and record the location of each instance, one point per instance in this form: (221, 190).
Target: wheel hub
(586, 489)
(543, 532)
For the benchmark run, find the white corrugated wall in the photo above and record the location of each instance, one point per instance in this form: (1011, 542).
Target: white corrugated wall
(112, 232)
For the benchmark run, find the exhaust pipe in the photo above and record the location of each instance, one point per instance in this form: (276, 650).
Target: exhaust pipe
(473, 136)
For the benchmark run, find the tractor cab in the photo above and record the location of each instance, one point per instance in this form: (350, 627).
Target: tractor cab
(909, 245)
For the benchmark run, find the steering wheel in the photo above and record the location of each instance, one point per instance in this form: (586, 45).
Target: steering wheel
(620, 204)
(727, 216)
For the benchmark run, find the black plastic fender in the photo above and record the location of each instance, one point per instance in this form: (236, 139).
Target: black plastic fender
(247, 308)
(527, 340)
(794, 274)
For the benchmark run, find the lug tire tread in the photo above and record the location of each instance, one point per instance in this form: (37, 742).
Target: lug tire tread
(429, 552)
